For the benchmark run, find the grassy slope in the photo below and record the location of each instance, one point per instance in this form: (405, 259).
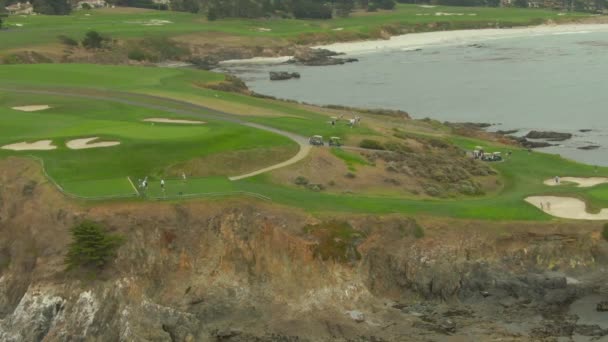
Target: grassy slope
(522, 174)
(145, 149)
(126, 24)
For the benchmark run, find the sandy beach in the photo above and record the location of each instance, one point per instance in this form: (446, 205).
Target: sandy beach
(442, 38)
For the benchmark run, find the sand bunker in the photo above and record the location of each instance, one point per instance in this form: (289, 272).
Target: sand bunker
(32, 108)
(80, 144)
(41, 145)
(176, 121)
(566, 207)
(582, 182)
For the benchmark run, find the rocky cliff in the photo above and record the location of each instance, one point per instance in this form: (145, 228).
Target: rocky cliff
(236, 270)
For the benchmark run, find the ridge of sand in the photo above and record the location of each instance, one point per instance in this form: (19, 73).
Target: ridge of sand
(177, 121)
(566, 207)
(581, 181)
(40, 145)
(34, 108)
(80, 144)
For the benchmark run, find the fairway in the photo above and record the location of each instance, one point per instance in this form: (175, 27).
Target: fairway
(146, 149)
(115, 108)
(41, 30)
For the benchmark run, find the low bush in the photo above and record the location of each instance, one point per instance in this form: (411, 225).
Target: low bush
(137, 55)
(371, 144)
(65, 40)
(605, 232)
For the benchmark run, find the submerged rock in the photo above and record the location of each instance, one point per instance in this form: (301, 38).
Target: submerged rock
(589, 147)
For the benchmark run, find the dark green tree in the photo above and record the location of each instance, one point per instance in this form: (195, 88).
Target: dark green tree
(92, 246)
(52, 7)
(93, 40)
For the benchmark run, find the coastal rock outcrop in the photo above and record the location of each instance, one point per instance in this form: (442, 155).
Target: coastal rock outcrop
(319, 57)
(283, 75)
(549, 135)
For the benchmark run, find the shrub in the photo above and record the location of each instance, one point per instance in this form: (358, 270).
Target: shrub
(605, 232)
(137, 55)
(350, 175)
(91, 246)
(86, 6)
(65, 40)
(418, 231)
(385, 4)
(93, 40)
(371, 144)
(300, 180)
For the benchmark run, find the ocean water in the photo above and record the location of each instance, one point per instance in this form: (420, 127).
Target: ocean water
(554, 81)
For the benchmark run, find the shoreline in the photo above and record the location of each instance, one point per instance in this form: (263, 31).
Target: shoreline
(413, 41)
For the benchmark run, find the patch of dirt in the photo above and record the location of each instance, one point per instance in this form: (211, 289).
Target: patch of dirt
(332, 173)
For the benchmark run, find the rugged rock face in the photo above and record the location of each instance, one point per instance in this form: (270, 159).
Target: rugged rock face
(245, 271)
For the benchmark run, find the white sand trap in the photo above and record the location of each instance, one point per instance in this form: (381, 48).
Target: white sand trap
(32, 108)
(582, 182)
(80, 144)
(566, 207)
(40, 145)
(176, 121)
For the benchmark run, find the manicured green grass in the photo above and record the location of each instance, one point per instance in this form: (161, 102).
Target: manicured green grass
(131, 23)
(148, 149)
(183, 84)
(351, 159)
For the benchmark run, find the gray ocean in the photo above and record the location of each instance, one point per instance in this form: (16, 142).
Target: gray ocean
(551, 82)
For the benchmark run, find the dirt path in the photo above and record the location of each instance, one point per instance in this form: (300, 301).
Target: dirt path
(192, 110)
(582, 182)
(566, 207)
(305, 148)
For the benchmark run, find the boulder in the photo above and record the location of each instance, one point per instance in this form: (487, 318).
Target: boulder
(548, 135)
(283, 75)
(602, 306)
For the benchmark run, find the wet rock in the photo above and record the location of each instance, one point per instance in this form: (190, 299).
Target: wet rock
(602, 306)
(283, 75)
(226, 334)
(590, 330)
(589, 147)
(585, 130)
(507, 132)
(549, 135)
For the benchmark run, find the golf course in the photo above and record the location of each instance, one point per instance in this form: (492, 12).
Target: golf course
(42, 32)
(124, 105)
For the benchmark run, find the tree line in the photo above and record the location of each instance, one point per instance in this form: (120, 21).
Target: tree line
(299, 9)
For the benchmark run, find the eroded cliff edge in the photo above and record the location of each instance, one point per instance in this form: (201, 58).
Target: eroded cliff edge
(240, 270)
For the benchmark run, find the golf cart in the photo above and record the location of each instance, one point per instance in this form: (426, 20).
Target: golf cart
(335, 141)
(492, 157)
(316, 140)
